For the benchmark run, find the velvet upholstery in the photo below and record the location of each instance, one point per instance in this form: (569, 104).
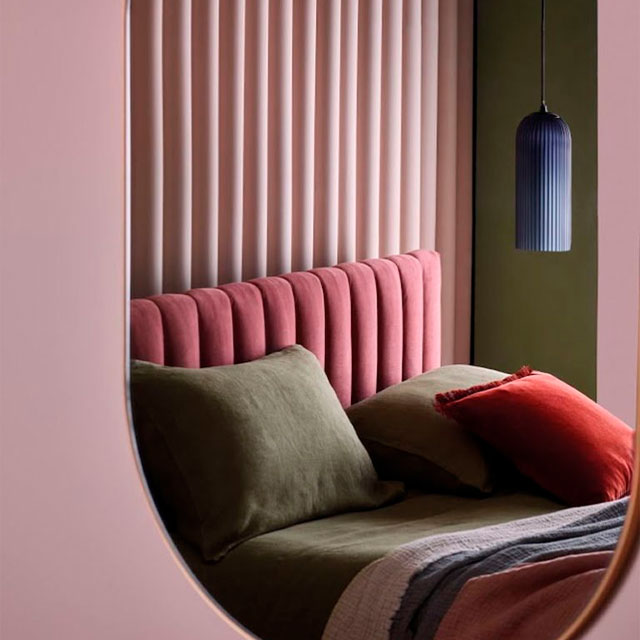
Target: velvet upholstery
(371, 324)
(147, 335)
(412, 289)
(389, 297)
(179, 316)
(337, 304)
(556, 436)
(215, 326)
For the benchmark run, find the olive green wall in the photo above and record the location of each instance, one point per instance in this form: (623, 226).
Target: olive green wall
(535, 308)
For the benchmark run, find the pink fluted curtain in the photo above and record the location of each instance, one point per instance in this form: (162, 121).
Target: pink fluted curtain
(278, 135)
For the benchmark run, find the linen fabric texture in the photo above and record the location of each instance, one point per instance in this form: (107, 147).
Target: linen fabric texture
(409, 440)
(234, 451)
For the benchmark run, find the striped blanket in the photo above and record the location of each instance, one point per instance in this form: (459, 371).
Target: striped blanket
(406, 594)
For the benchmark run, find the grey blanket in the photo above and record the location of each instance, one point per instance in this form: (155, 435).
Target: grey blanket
(405, 594)
(432, 591)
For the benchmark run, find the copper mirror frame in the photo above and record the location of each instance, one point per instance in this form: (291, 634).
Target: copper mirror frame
(625, 552)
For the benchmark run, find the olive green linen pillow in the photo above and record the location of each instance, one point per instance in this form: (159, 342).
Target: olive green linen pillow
(235, 451)
(409, 440)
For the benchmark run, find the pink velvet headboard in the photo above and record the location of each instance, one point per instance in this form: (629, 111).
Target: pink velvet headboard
(371, 323)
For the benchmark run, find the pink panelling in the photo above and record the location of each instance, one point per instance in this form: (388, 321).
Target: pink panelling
(410, 271)
(231, 140)
(454, 172)
(147, 341)
(369, 79)
(180, 325)
(310, 314)
(431, 278)
(304, 91)
(216, 327)
(327, 133)
(337, 303)
(429, 87)
(389, 295)
(279, 135)
(205, 137)
(279, 312)
(302, 132)
(364, 329)
(146, 175)
(348, 130)
(410, 184)
(176, 141)
(247, 311)
(371, 324)
(280, 147)
(391, 127)
(256, 92)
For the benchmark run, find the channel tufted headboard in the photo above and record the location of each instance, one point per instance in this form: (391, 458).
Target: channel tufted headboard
(371, 323)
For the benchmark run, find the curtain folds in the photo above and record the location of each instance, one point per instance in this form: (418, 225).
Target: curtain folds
(278, 135)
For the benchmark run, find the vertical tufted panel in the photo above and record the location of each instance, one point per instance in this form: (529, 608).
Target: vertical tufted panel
(276, 135)
(310, 316)
(279, 312)
(180, 324)
(364, 329)
(216, 327)
(410, 271)
(431, 279)
(337, 304)
(389, 296)
(371, 324)
(147, 336)
(249, 340)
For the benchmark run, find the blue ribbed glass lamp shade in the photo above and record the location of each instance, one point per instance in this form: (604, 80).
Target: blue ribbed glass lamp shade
(543, 183)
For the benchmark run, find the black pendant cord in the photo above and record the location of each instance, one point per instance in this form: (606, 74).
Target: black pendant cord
(543, 57)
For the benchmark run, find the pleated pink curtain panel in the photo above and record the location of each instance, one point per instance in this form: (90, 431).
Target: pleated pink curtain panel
(278, 135)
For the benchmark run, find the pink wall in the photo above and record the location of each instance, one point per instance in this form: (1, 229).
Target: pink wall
(618, 203)
(619, 248)
(81, 554)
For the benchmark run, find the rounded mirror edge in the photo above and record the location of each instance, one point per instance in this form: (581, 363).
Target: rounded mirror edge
(628, 545)
(198, 587)
(625, 553)
(626, 549)
(162, 530)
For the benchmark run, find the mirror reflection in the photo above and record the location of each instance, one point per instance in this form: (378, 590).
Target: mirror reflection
(365, 410)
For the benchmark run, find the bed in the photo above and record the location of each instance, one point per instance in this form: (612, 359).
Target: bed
(371, 325)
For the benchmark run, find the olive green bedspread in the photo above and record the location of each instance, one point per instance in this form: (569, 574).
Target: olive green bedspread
(283, 585)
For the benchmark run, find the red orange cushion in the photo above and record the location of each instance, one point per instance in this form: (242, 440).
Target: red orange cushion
(555, 435)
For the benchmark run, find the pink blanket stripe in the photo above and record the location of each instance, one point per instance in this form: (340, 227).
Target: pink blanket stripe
(531, 602)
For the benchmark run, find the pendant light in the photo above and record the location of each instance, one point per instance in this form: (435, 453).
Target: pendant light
(543, 175)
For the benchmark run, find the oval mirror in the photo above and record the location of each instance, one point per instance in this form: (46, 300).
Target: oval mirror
(360, 413)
